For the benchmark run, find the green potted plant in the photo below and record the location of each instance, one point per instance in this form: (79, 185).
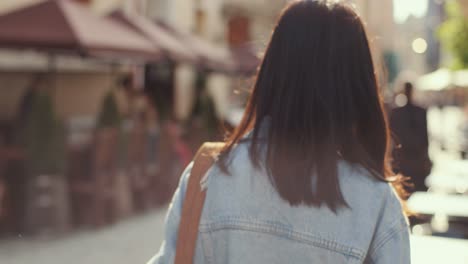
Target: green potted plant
(204, 108)
(109, 116)
(107, 153)
(107, 133)
(453, 34)
(44, 147)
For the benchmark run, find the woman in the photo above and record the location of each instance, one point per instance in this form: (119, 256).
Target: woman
(305, 177)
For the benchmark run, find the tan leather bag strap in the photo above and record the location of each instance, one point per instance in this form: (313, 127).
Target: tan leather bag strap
(193, 203)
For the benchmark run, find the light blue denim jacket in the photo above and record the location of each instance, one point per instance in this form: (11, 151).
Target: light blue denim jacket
(244, 220)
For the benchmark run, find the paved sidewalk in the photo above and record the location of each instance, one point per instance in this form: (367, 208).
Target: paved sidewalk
(132, 241)
(135, 240)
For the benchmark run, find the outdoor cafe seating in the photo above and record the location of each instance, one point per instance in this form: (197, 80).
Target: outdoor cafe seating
(444, 208)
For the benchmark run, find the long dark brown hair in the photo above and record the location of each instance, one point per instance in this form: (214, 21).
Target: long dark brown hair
(317, 88)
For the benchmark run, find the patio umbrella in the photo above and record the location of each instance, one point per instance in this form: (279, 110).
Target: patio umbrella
(211, 56)
(57, 26)
(442, 79)
(435, 81)
(236, 60)
(173, 47)
(461, 78)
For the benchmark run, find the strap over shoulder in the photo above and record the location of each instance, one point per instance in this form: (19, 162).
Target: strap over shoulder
(209, 148)
(193, 203)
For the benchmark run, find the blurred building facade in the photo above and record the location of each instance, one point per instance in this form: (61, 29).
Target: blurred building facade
(435, 16)
(80, 83)
(99, 6)
(394, 41)
(105, 141)
(410, 30)
(380, 24)
(425, 28)
(225, 23)
(251, 21)
(381, 29)
(203, 19)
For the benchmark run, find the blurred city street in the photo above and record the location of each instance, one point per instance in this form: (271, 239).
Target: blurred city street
(137, 239)
(134, 240)
(103, 103)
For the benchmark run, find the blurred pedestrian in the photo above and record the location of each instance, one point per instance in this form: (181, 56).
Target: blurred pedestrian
(304, 177)
(180, 145)
(410, 154)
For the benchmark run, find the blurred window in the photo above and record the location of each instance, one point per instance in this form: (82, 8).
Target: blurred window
(238, 30)
(157, 9)
(200, 22)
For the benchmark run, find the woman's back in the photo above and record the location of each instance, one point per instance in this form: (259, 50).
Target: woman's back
(245, 221)
(305, 176)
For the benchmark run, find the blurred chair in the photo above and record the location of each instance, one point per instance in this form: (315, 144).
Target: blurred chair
(92, 172)
(137, 168)
(446, 214)
(12, 178)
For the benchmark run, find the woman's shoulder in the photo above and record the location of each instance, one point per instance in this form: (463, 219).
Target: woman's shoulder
(353, 173)
(360, 186)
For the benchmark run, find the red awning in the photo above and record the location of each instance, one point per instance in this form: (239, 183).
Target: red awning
(212, 57)
(241, 60)
(66, 26)
(172, 46)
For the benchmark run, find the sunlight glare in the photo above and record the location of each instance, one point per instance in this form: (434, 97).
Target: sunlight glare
(419, 45)
(404, 8)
